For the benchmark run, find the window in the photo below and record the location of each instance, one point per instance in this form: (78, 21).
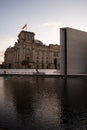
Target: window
(42, 53)
(55, 53)
(42, 57)
(27, 59)
(27, 51)
(47, 53)
(47, 61)
(37, 61)
(37, 52)
(42, 61)
(37, 57)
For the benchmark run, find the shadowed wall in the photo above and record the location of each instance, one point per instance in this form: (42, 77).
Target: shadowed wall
(73, 51)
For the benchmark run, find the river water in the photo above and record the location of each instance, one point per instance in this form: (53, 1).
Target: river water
(43, 103)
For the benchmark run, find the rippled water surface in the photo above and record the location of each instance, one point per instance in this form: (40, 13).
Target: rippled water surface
(41, 103)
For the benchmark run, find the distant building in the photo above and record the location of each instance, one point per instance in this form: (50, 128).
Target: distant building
(30, 53)
(73, 51)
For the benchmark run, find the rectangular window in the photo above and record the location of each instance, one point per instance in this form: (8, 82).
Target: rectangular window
(42, 53)
(47, 61)
(27, 59)
(55, 53)
(37, 52)
(37, 61)
(47, 53)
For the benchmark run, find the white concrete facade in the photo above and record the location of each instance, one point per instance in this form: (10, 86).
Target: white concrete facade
(73, 51)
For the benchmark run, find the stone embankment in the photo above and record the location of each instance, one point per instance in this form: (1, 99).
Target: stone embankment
(29, 72)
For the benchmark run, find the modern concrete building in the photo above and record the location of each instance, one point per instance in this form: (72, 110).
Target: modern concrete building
(30, 53)
(73, 51)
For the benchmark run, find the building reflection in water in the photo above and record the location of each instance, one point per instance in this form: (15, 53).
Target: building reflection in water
(47, 106)
(7, 109)
(36, 102)
(43, 103)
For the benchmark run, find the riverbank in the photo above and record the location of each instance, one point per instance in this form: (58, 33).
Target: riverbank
(39, 72)
(31, 72)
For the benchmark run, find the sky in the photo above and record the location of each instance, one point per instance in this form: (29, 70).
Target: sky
(43, 17)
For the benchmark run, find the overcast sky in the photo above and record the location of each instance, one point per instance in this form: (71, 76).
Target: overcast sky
(43, 17)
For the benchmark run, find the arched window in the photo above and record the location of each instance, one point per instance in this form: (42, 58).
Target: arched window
(27, 51)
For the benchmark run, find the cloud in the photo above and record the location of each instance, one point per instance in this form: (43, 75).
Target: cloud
(50, 24)
(48, 32)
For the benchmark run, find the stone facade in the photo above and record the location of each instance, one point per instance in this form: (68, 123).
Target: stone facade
(30, 53)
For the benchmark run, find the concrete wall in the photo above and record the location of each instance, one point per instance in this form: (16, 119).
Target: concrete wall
(29, 71)
(62, 51)
(73, 51)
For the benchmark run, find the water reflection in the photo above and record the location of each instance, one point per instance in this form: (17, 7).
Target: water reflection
(43, 103)
(74, 105)
(47, 107)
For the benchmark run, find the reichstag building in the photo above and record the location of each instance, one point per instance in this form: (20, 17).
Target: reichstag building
(30, 53)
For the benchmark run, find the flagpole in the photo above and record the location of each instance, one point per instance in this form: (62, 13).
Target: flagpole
(25, 27)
